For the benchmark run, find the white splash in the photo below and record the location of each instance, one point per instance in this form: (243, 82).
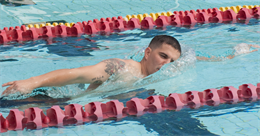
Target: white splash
(241, 48)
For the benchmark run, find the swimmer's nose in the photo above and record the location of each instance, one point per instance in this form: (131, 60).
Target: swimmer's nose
(166, 61)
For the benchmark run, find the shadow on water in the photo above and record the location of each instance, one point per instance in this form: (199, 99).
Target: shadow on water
(65, 47)
(183, 122)
(72, 46)
(41, 100)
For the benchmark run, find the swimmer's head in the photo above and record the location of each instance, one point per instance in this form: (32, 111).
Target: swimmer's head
(159, 40)
(163, 49)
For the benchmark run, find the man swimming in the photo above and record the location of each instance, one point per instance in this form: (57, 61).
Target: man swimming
(162, 49)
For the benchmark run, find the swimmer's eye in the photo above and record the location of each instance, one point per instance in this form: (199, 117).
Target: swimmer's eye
(164, 56)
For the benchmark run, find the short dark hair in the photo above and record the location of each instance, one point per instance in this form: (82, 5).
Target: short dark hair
(159, 40)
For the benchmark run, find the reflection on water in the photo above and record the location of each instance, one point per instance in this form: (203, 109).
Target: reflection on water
(65, 47)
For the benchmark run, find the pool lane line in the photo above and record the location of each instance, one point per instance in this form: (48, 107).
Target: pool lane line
(139, 16)
(155, 15)
(106, 26)
(142, 16)
(75, 114)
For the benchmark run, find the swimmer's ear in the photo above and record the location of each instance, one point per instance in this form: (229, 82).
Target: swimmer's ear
(147, 52)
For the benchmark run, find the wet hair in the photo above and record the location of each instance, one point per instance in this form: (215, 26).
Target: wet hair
(159, 40)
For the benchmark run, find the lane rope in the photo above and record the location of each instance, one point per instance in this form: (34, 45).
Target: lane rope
(106, 26)
(34, 118)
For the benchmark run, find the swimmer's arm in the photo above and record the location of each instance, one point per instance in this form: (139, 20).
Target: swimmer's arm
(89, 74)
(255, 46)
(213, 58)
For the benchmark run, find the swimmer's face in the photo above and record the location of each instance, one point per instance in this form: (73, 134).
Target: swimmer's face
(160, 56)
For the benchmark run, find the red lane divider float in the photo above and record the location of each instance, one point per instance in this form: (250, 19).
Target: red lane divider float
(108, 25)
(34, 118)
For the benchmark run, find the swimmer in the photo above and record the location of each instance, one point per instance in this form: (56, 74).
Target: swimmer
(162, 49)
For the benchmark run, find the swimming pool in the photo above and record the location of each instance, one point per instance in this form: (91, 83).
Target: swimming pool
(215, 39)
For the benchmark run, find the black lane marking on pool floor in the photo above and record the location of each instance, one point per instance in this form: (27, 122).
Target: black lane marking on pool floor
(16, 3)
(7, 60)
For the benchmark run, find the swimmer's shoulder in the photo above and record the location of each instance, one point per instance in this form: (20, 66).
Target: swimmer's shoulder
(133, 63)
(118, 61)
(127, 62)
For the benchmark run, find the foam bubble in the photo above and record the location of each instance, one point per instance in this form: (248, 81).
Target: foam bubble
(241, 48)
(66, 91)
(170, 70)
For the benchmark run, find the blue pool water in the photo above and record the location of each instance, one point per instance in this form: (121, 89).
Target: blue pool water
(23, 60)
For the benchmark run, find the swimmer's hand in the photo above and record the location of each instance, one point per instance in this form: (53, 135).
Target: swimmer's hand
(255, 46)
(22, 86)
